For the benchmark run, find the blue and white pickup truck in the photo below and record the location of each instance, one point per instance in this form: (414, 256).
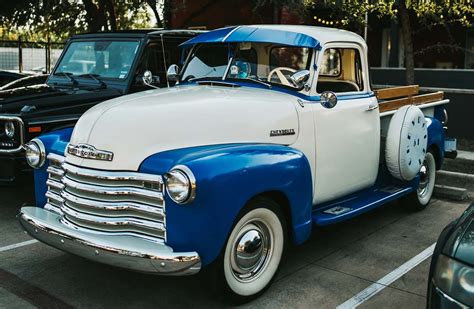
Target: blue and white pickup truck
(271, 130)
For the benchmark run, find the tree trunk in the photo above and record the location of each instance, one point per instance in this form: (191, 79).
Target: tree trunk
(276, 13)
(166, 14)
(152, 4)
(110, 6)
(408, 42)
(95, 20)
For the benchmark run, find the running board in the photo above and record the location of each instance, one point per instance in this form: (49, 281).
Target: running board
(354, 205)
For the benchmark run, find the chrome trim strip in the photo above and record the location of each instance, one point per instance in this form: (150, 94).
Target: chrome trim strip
(54, 184)
(116, 250)
(22, 133)
(115, 191)
(53, 196)
(92, 219)
(113, 176)
(53, 208)
(55, 171)
(449, 298)
(56, 158)
(112, 206)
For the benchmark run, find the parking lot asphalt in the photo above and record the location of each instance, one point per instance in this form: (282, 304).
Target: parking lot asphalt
(337, 263)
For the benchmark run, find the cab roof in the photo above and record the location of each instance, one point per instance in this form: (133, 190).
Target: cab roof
(138, 33)
(293, 35)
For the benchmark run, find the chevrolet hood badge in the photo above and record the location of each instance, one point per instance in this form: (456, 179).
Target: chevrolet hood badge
(89, 152)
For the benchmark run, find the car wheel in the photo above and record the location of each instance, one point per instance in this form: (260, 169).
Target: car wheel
(252, 253)
(420, 199)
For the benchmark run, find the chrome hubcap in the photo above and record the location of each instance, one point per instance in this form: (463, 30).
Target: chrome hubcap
(251, 251)
(424, 179)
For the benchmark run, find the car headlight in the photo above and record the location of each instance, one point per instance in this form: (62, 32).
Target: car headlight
(181, 184)
(35, 153)
(455, 279)
(9, 129)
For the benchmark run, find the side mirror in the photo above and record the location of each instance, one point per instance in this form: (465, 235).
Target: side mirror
(150, 80)
(173, 73)
(328, 99)
(300, 78)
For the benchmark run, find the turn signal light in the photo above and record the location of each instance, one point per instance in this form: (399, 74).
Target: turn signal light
(34, 130)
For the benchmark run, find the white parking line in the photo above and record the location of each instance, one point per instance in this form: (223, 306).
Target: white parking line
(385, 281)
(18, 245)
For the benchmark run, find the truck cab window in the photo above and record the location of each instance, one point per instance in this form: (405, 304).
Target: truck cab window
(341, 71)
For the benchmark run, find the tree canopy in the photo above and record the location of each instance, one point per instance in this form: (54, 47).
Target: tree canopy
(59, 19)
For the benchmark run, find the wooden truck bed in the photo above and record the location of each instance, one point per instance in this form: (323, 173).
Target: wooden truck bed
(391, 99)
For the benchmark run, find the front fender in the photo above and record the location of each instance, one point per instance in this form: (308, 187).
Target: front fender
(227, 177)
(436, 138)
(54, 142)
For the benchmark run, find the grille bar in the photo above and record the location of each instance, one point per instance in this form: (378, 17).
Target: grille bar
(118, 191)
(107, 202)
(112, 208)
(112, 221)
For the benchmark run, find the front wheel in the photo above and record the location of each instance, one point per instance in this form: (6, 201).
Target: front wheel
(420, 199)
(252, 253)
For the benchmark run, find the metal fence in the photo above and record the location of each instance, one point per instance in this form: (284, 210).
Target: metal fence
(29, 56)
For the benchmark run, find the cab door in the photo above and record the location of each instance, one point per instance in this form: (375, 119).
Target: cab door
(347, 124)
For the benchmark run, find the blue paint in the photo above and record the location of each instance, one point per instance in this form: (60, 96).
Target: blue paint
(256, 35)
(54, 142)
(359, 203)
(436, 137)
(228, 176)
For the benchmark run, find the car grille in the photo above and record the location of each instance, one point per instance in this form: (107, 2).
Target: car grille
(11, 144)
(124, 203)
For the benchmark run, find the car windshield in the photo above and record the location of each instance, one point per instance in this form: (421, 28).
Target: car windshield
(261, 62)
(109, 59)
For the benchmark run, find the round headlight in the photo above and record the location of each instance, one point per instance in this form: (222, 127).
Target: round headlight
(35, 153)
(9, 129)
(181, 185)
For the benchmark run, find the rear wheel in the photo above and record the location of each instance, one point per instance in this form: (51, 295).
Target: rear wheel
(420, 199)
(252, 253)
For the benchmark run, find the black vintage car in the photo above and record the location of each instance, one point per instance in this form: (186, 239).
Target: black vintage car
(451, 280)
(92, 68)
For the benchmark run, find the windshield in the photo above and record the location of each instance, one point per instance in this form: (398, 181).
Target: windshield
(261, 62)
(109, 59)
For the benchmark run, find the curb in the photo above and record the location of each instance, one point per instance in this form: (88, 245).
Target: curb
(452, 193)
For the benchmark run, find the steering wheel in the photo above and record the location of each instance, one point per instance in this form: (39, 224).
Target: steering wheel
(281, 77)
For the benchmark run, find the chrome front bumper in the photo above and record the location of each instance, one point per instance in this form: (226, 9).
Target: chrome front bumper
(117, 250)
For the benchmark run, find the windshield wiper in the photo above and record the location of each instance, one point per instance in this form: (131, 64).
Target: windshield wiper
(257, 81)
(68, 75)
(94, 77)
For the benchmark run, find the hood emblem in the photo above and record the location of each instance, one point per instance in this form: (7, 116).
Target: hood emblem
(89, 152)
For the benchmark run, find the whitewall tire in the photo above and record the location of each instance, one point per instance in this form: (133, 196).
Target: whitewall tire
(420, 199)
(252, 254)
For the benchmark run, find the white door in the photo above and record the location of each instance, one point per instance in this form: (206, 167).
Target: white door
(347, 135)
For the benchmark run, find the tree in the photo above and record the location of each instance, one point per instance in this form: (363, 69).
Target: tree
(278, 5)
(426, 13)
(61, 18)
(163, 6)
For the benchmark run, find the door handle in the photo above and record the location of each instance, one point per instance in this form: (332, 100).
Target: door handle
(372, 107)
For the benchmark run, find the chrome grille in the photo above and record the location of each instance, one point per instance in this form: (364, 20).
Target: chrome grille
(106, 202)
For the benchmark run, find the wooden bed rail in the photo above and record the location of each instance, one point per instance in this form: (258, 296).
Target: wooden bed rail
(397, 92)
(386, 106)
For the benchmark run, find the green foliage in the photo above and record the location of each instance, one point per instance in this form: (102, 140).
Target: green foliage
(428, 12)
(59, 19)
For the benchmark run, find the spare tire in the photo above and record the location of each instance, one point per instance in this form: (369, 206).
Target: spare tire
(407, 140)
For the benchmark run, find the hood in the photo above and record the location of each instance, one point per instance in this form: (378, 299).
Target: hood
(45, 96)
(137, 126)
